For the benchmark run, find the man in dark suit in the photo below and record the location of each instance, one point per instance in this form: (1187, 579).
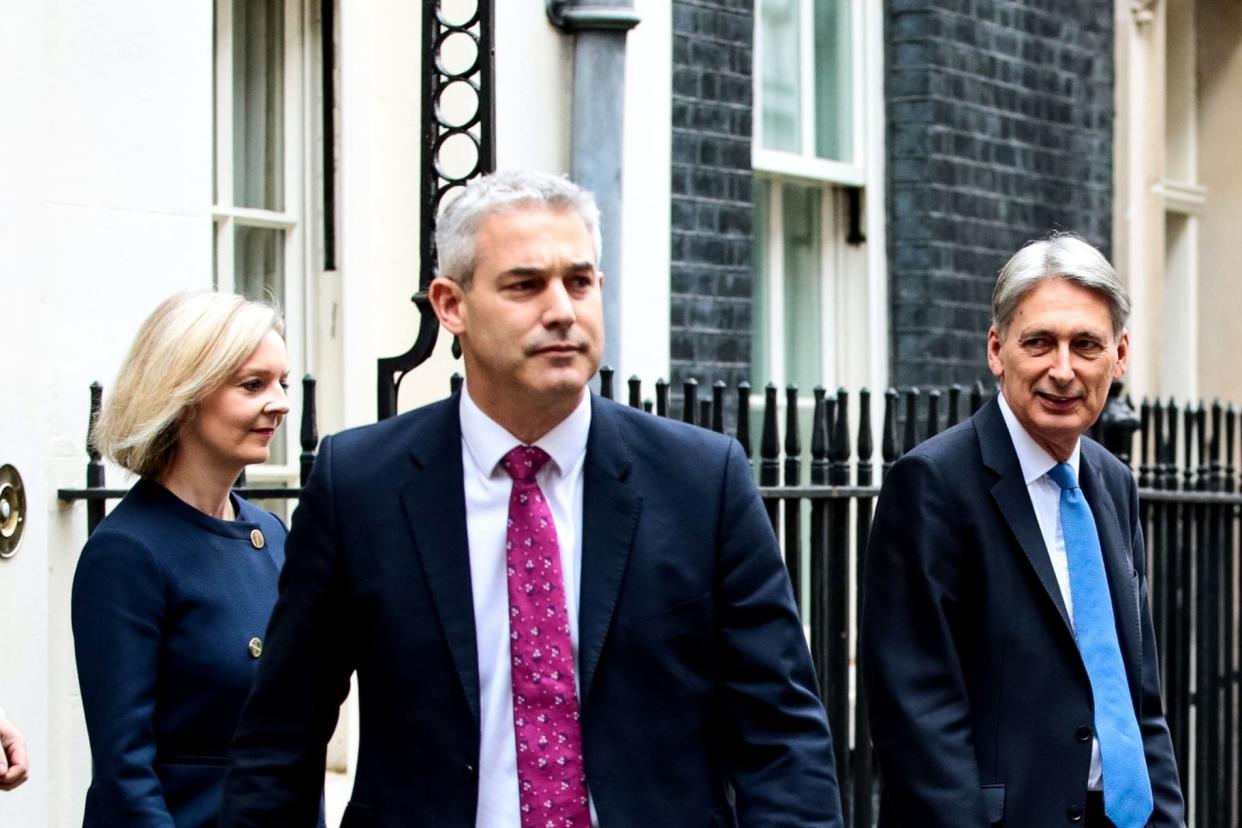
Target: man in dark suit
(562, 612)
(1007, 647)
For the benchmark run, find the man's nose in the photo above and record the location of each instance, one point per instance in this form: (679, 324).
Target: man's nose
(1062, 370)
(559, 307)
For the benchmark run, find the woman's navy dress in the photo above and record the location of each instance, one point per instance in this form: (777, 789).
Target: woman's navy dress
(170, 606)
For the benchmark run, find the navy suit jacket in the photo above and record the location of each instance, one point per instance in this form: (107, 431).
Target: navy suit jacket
(699, 705)
(979, 703)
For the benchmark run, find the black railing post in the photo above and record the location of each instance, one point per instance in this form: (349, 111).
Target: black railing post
(888, 440)
(838, 698)
(309, 433)
(661, 386)
(862, 771)
(95, 474)
(1193, 538)
(953, 416)
(605, 381)
(933, 413)
(1144, 455)
(819, 440)
(820, 588)
(793, 505)
(911, 438)
(718, 392)
(1117, 425)
(976, 396)
(1221, 576)
(1230, 542)
(1181, 574)
(455, 382)
(689, 401)
(743, 416)
(769, 455)
(636, 392)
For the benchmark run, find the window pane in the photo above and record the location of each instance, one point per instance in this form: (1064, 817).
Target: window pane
(258, 103)
(833, 99)
(259, 262)
(803, 349)
(780, 80)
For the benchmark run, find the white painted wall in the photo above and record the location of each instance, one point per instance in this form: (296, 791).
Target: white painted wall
(106, 210)
(24, 395)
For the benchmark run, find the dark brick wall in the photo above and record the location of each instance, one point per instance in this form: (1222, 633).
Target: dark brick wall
(710, 304)
(1000, 126)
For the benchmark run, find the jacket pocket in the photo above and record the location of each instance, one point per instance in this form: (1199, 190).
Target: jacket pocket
(994, 803)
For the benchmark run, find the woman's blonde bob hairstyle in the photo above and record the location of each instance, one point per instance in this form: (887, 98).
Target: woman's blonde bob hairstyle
(187, 348)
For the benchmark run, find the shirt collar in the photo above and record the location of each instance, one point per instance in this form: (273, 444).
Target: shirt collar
(487, 441)
(1035, 461)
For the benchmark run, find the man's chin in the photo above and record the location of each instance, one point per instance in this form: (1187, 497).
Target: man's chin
(570, 385)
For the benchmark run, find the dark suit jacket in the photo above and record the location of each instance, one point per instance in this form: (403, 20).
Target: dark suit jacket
(698, 699)
(979, 703)
(165, 602)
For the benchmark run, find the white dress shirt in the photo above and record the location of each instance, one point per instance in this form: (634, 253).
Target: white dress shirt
(1046, 498)
(484, 442)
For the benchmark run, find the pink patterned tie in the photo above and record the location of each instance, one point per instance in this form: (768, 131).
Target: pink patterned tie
(551, 779)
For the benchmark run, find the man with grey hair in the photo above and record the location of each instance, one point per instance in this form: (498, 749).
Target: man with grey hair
(1007, 646)
(562, 612)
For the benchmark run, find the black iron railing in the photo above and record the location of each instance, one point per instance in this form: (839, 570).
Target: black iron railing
(820, 504)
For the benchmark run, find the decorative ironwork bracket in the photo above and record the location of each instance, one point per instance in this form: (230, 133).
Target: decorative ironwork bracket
(458, 55)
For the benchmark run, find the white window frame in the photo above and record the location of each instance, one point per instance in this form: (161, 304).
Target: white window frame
(854, 293)
(294, 219)
(806, 164)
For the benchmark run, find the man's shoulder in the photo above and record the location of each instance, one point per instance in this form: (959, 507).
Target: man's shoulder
(401, 430)
(1117, 475)
(956, 445)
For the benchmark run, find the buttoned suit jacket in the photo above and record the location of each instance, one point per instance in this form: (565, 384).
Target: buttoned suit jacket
(698, 705)
(979, 703)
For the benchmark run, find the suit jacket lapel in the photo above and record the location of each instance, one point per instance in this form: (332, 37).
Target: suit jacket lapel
(610, 509)
(1118, 562)
(435, 506)
(1014, 500)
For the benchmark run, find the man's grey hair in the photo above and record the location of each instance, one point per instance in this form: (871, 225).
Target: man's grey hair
(1059, 256)
(457, 227)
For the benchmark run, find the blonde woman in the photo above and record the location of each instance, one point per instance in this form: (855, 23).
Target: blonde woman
(174, 589)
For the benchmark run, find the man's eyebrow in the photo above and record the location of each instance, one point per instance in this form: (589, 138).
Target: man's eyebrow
(1046, 332)
(525, 270)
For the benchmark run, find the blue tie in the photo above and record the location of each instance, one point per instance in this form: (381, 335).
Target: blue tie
(1127, 787)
